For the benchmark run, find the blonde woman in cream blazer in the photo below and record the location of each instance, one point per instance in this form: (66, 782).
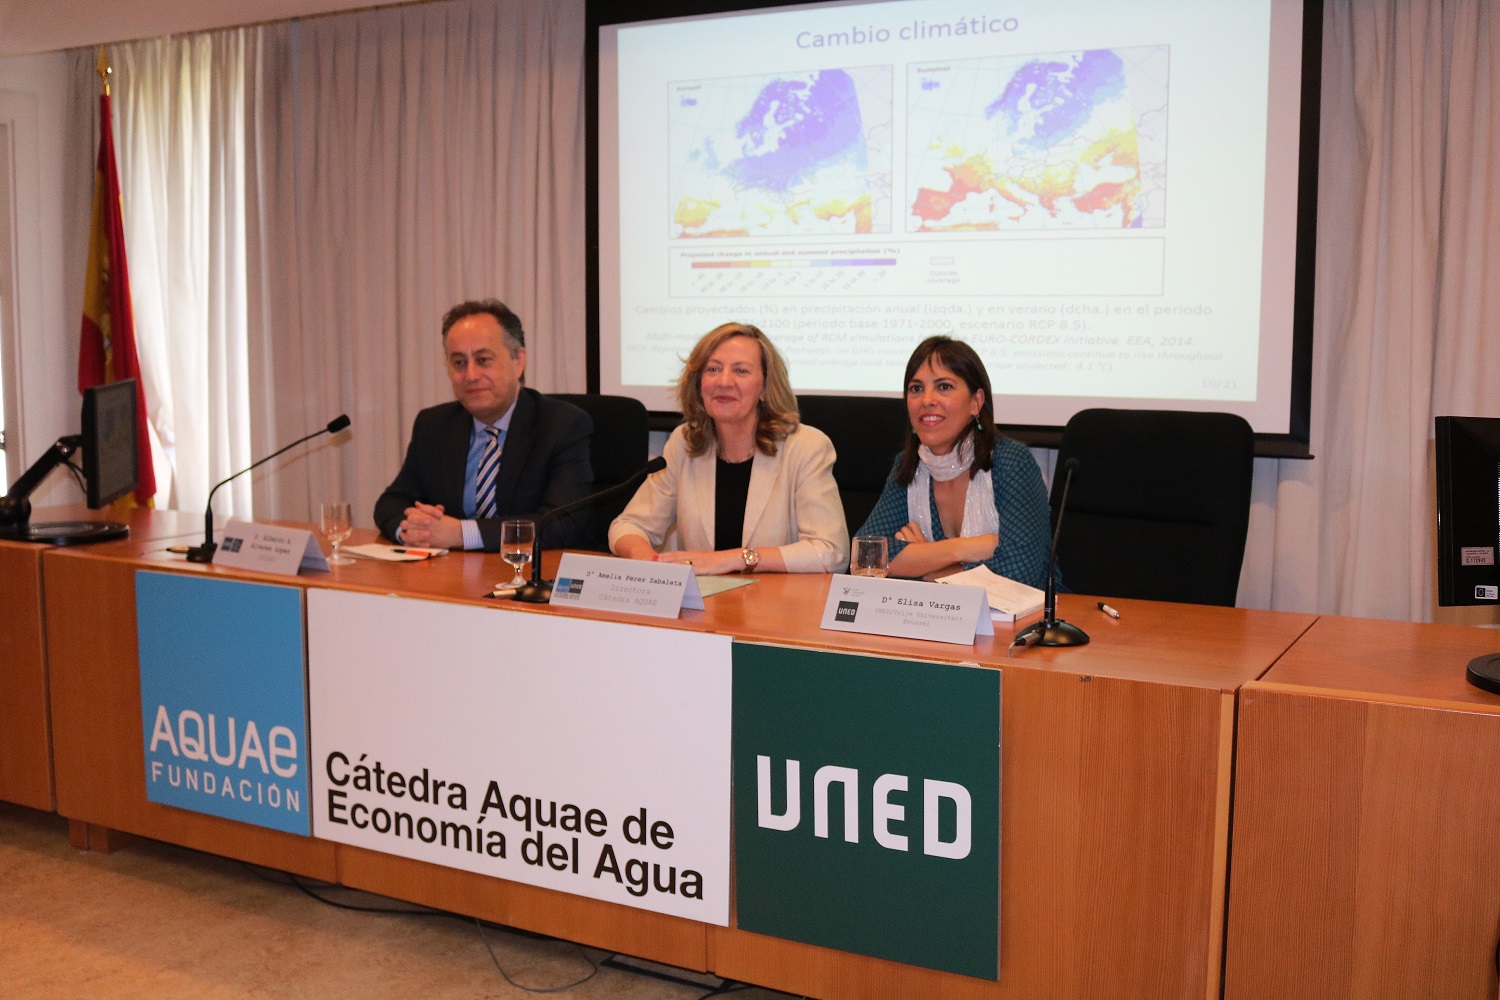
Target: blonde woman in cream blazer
(737, 405)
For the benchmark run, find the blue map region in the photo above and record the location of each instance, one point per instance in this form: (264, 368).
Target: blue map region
(811, 124)
(1064, 94)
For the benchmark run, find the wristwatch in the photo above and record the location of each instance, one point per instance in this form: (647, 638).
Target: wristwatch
(751, 557)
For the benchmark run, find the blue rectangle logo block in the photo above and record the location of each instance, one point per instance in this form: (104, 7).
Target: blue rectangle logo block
(224, 698)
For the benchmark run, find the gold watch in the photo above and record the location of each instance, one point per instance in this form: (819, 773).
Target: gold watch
(751, 557)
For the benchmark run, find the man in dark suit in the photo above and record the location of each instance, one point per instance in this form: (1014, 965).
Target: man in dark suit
(449, 493)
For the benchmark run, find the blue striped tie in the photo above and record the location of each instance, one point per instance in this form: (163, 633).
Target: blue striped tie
(484, 479)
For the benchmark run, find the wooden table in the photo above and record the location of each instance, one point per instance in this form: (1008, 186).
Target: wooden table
(1367, 819)
(1116, 778)
(25, 731)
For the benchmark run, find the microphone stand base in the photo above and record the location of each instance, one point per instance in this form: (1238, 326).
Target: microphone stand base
(202, 553)
(1484, 672)
(1054, 632)
(538, 592)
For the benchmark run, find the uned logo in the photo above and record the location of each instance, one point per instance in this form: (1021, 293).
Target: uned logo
(885, 812)
(846, 611)
(232, 544)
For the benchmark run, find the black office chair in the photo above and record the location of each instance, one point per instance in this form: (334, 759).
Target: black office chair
(867, 433)
(1159, 506)
(621, 445)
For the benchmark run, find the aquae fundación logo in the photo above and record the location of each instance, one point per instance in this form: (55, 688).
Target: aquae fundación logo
(248, 768)
(224, 698)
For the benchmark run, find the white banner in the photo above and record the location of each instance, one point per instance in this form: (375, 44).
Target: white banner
(588, 757)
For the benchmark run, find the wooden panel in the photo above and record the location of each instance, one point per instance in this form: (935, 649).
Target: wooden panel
(96, 721)
(1366, 819)
(655, 936)
(1294, 851)
(25, 722)
(25, 744)
(1114, 798)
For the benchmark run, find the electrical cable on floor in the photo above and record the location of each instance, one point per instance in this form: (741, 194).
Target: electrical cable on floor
(308, 887)
(593, 967)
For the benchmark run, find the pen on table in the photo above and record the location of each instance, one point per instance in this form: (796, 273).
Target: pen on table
(1108, 610)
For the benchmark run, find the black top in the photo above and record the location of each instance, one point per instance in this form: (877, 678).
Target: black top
(731, 487)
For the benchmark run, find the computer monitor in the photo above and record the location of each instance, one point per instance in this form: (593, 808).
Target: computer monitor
(1468, 510)
(110, 464)
(1468, 495)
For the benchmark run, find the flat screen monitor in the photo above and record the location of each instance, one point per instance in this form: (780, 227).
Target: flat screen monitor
(1468, 494)
(110, 468)
(110, 460)
(1468, 508)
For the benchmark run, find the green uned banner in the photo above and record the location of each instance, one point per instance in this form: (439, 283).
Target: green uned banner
(890, 846)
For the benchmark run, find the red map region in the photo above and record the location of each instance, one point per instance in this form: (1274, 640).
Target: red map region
(1053, 183)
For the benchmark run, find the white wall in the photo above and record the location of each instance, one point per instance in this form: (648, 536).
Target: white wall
(34, 94)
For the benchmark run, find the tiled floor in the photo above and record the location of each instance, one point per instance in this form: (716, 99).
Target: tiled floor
(157, 922)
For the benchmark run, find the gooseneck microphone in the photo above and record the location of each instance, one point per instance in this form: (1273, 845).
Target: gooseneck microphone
(539, 591)
(205, 552)
(1050, 631)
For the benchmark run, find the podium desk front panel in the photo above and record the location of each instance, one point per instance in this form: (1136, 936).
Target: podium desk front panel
(1115, 794)
(1115, 782)
(1367, 817)
(25, 726)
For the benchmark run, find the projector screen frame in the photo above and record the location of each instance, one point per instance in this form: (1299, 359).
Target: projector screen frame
(1292, 444)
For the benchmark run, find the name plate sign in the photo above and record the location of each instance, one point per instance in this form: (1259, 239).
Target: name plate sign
(269, 548)
(907, 609)
(603, 583)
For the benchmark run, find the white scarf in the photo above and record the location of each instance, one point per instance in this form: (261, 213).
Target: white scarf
(980, 515)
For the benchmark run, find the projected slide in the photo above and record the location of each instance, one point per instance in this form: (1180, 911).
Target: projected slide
(1100, 197)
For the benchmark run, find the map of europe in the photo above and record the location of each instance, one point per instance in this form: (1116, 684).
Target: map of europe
(784, 155)
(1073, 139)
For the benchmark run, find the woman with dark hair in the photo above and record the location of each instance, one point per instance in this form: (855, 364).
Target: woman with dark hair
(959, 493)
(747, 486)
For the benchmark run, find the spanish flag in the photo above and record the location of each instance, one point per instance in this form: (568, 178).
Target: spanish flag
(107, 352)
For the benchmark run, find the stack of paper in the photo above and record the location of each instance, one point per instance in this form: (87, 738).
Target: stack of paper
(392, 553)
(1009, 599)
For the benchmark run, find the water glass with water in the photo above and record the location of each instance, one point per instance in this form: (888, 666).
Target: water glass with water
(870, 556)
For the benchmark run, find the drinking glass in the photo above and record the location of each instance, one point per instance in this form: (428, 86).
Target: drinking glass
(516, 540)
(334, 520)
(870, 556)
